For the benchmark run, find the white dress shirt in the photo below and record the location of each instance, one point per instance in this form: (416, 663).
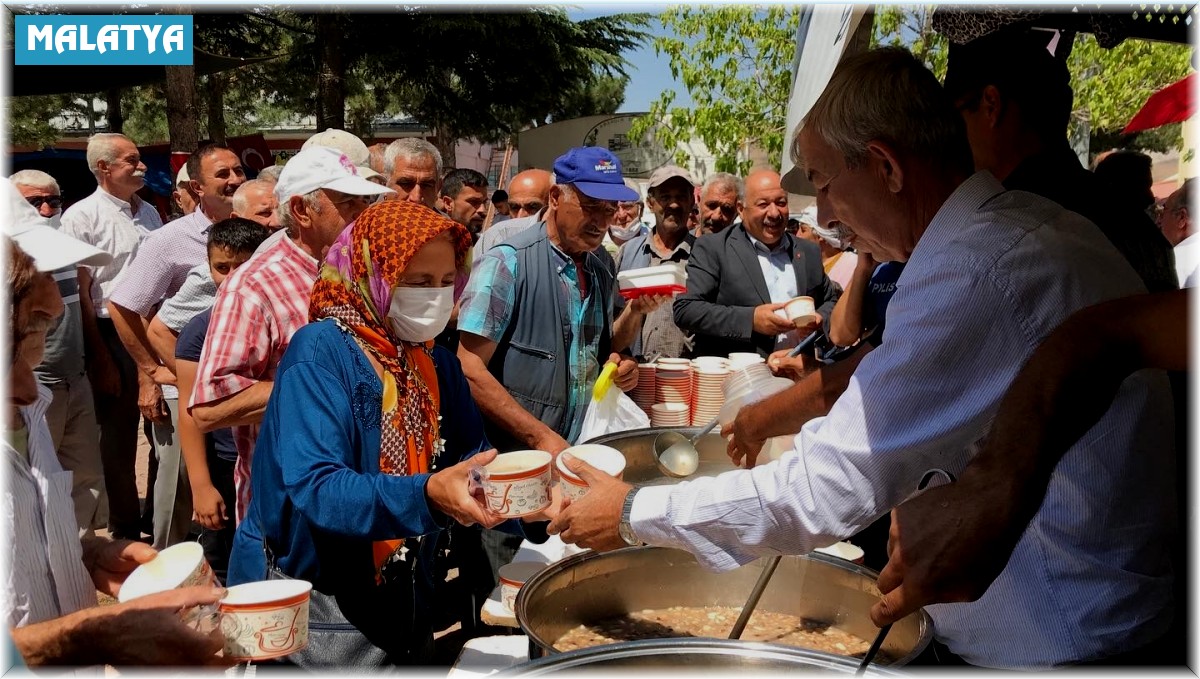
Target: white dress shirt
(115, 226)
(43, 576)
(1187, 261)
(779, 273)
(994, 273)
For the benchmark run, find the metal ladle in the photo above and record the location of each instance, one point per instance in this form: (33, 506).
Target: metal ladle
(676, 455)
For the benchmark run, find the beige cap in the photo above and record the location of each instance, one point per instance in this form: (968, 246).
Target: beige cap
(666, 172)
(182, 176)
(350, 146)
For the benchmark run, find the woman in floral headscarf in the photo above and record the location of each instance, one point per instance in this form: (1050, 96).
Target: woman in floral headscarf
(362, 459)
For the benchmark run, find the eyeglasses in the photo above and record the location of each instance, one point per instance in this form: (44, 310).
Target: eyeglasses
(407, 185)
(53, 201)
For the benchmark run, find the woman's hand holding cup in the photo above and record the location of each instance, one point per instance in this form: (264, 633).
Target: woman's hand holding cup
(450, 492)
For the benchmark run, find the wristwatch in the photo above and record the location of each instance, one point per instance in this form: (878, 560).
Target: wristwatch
(625, 528)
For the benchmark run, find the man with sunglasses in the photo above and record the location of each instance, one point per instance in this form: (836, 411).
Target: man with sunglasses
(262, 304)
(71, 415)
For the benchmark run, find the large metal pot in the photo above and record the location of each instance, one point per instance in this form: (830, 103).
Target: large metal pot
(695, 655)
(590, 587)
(638, 448)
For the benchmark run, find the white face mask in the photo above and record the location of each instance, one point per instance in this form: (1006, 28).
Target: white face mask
(419, 314)
(628, 233)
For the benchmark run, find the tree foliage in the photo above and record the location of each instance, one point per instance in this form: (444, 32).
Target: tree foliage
(911, 27)
(473, 75)
(1110, 85)
(736, 63)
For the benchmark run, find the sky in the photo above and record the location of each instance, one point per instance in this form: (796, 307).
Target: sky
(649, 74)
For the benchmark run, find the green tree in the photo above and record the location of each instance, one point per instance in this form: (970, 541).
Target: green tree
(736, 63)
(911, 27)
(1111, 85)
(601, 95)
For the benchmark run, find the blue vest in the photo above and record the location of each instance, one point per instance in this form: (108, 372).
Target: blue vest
(531, 358)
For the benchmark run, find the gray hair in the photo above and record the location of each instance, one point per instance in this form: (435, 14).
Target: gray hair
(239, 196)
(36, 179)
(103, 146)
(411, 148)
(727, 181)
(887, 95)
(312, 199)
(1181, 198)
(270, 174)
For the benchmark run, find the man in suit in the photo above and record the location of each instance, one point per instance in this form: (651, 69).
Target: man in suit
(740, 277)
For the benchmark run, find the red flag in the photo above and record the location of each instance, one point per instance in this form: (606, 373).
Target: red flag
(1172, 104)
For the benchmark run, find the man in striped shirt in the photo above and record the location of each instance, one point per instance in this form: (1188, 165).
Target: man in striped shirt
(263, 303)
(989, 274)
(48, 594)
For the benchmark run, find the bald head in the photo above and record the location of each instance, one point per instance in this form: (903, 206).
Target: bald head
(528, 192)
(765, 213)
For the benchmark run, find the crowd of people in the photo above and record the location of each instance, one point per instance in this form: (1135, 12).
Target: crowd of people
(321, 354)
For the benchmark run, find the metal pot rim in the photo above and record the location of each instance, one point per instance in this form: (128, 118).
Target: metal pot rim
(692, 646)
(534, 583)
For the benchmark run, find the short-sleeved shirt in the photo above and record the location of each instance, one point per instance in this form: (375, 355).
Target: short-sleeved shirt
(880, 289)
(197, 294)
(258, 309)
(188, 347)
(163, 262)
(63, 359)
(491, 295)
(114, 226)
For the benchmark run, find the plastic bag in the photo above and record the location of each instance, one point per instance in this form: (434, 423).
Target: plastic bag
(610, 411)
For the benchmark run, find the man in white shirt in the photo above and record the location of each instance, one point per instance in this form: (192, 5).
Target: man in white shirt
(115, 220)
(1175, 221)
(989, 274)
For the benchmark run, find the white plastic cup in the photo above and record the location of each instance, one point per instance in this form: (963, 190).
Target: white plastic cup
(264, 620)
(178, 566)
(518, 484)
(606, 459)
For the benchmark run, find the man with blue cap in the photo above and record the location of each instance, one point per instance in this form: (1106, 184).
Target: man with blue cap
(536, 320)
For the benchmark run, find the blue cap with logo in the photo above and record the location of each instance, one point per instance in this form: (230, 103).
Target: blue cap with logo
(595, 172)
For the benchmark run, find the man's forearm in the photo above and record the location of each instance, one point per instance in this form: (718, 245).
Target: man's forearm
(626, 327)
(1069, 383)
(845, 324)
(162, 340)
(131, 328)
(93, 341)
(61, 641)
(245, 407)
(498, 405)
(812, 397)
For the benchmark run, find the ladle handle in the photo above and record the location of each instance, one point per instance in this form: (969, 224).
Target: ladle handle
(752, 602)
(804, 344)
(862, 667)
(707, 428)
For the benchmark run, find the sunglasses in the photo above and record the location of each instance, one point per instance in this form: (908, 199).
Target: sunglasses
(53, 201)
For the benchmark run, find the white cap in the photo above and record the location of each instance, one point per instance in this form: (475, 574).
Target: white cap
(182, 176)
(347, 143)
(321, 167)
(50, 249)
